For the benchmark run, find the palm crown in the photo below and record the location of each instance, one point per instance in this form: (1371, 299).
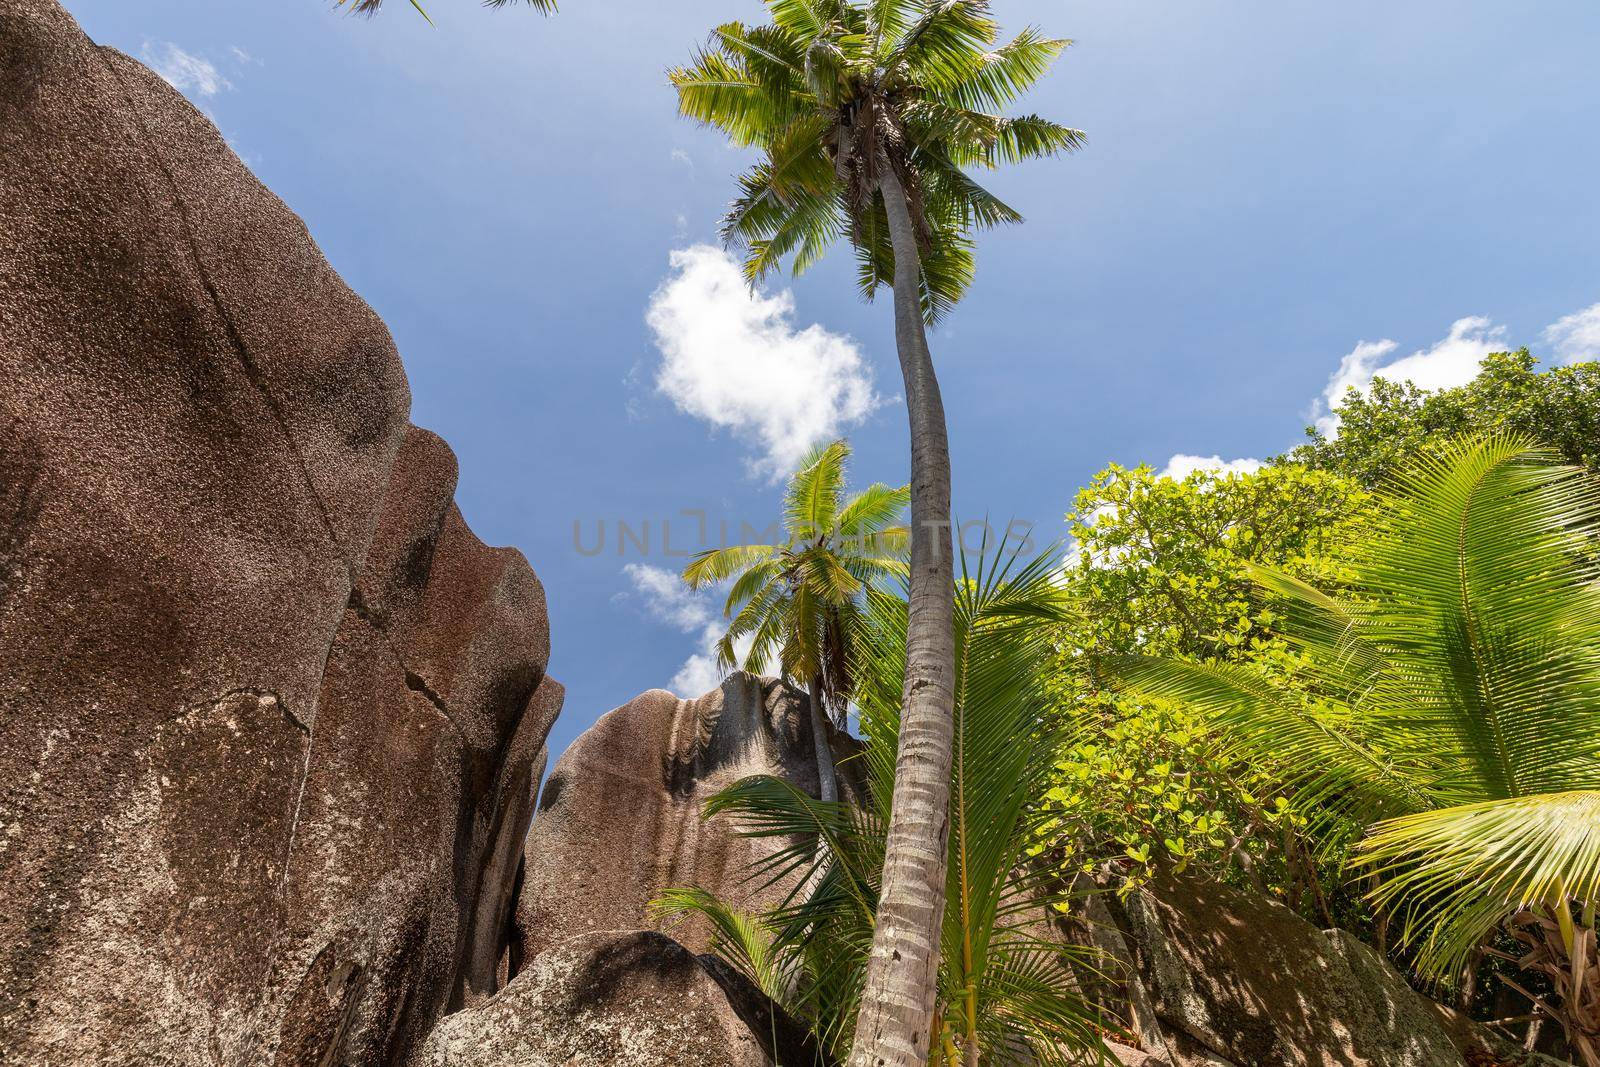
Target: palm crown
(834, 92)
(793, 601)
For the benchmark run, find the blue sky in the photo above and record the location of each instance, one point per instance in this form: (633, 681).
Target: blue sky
(1273, 196)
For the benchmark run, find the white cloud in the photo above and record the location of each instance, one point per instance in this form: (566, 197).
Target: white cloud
(734, 358)
(1576, 336)
(191, 75)
(698, 675)
(668, 599)
(1452, 361)
(680, 156)
(1181, 466)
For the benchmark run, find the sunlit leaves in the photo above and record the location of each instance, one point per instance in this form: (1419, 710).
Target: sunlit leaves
(1462, 662)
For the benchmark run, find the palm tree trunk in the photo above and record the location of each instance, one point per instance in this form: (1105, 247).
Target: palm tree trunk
(827, 780)
(900, 994)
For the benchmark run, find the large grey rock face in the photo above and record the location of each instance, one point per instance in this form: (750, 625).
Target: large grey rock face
(619, 818)
(1248, 980)
(270, 714)
(634, 998)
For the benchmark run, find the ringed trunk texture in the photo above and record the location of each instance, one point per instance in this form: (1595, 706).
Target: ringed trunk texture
(897, 1004)
(827, 780)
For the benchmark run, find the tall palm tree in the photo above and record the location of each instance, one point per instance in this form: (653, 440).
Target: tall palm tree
(866, 113)
(1004, 993)
(1463, 724)
(794, 601)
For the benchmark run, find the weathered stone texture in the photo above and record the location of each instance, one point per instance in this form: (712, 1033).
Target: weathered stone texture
(620, 816)
(634, 998)
(270, 715)
(1245, 979)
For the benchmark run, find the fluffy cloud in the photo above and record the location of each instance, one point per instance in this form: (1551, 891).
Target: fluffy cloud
(668, 599)
(1181, 466)
(1575, 336)
(735, 358)
(1452, 361)
(191, 75)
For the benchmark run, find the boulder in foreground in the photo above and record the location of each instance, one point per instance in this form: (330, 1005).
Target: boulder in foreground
(611, 998)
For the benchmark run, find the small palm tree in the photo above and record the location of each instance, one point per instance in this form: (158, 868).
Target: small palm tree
(868, 114)
(794, 602)
(1463, 672)
(1004, 993)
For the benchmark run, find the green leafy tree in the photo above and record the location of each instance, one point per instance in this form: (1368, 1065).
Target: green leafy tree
(1161, 566)
(1381, 432)
(868, 116)
(1462, 671)
(1005, 993)
(795, 602)
(1163, 563)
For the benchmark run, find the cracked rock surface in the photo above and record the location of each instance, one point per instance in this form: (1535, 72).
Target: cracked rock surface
(271, 717)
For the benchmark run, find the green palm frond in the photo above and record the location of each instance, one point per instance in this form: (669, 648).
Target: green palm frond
(995, 79)
(813, 497)
(957, 195)
(947, 264)
(1457, 873)
(947, 30)
(805, 19)
(769, 53)
(1001, 986)
(719, 564)
(887, 21)
(743, 939)
(717, 90)
(1315, 758)
(877, 555)
(834, 91)
(1460, 672)
(873, 510)
(760, 580)
(1031, 137)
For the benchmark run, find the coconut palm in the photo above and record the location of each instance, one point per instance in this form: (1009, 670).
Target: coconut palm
(1463, 723)
(1004, 993)
(793, 602)
(867, 114)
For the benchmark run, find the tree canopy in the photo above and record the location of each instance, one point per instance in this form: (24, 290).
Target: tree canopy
(1558, 407)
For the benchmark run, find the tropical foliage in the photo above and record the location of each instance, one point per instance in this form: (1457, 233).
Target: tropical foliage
(1460, 670)
(868, 116)
(1381, 430)
(1161, 567)
(839, 95)
(1005, 992)
(794, 603)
